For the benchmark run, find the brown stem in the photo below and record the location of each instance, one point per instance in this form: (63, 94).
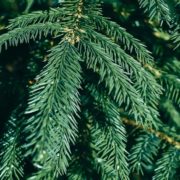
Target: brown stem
(156, 72)
(161, 135)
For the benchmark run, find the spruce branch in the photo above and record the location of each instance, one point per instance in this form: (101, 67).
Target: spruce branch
(58, 85)
(109, 138)
(21, 35)
(51, 16)
(161, 135)
(142, 154)
(127, 78)
(119, 35)
(11, 157)
(116, 80)
(142, 79)
(167, 165)
(156, 9)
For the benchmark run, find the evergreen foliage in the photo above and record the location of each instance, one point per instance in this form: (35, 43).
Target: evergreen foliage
(11, 151)
(156, 9)
(97, 78)
(167, 165)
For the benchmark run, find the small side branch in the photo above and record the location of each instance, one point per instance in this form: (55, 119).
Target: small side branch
(161, 135)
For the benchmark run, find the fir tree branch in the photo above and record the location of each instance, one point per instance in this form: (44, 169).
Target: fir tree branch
(54, 15)
(21, 35)
(159, 134)
(109, 138)
(54, 102)
(53, 105)
(142, 79)
(167, 165)
(157, 9)
(143, 152)
(11, 157)
(119, 34)
(51, 16)
(116, 80)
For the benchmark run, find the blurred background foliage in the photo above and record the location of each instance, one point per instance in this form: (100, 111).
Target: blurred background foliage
(19, 65)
